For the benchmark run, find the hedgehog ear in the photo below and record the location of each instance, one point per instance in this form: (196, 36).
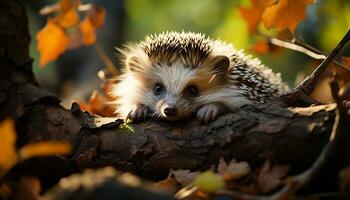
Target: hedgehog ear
(220, 64)
(133, 63)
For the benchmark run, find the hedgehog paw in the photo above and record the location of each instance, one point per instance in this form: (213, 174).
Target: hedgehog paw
(209, 112)
(139, 113)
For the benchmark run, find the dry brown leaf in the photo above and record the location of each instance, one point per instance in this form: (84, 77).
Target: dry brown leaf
(52, 42)
(8, 136)
(233, 170)
(88, 31)
(184, 177)
(269, 177)
(98, 105)
(285, 14)
(46, 148)
(169, 184)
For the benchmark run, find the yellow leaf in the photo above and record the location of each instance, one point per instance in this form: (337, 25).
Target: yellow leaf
(285, 14)
(8, 136)
(47, 148)
(209, 181)
(88, 31)
(69, 18)
(52, 42)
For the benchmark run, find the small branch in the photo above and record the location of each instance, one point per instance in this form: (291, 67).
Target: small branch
(308, 85)
(296, 47)
(107, 61)
(306, 49)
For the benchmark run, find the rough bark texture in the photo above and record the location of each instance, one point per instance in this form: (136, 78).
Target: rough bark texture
(292, 136)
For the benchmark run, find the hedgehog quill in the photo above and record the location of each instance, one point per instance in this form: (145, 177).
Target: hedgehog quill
(175, 75)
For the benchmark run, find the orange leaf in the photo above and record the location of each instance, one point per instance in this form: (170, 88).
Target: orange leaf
(8, 136)
(69, 18)
(52, 42)
(66, 5)
(253, 14)
(47, 148)
(97, 16)
(261, 47)
(285, 14)
(88, 31)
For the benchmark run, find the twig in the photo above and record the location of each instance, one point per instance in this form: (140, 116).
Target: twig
(308, 85)
(49, 9)
(306, 49)
(107, 61)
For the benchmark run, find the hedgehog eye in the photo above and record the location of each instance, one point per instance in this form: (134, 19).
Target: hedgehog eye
(193, 90)
(158, 88)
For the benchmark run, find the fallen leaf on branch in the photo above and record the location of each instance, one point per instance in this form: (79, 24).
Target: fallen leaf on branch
(233, 170)
(52, 42)
(269, 177)
(286, 14)
(184, 177)
(209, 181)
(98, 105)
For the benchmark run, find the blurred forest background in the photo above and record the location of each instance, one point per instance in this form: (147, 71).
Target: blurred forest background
(74, 75)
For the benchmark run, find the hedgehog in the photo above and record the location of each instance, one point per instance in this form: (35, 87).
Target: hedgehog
(177, 75)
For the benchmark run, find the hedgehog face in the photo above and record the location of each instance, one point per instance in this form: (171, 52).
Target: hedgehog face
(175, 91)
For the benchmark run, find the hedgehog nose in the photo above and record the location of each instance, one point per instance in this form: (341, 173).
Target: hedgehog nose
(170, 111)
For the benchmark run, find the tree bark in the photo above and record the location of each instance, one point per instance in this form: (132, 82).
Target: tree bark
(292, 136)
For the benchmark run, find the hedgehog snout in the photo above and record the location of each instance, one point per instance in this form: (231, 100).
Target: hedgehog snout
(169, 110)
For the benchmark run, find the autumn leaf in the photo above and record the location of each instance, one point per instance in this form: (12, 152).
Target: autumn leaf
(66, 5)
(285, 14)
(233, 170)
(98, 105)
(8, 136)
(269, 177)
(46, 148)
(97, 16)
(88, 31)
(253, 14)
(209, 181)
(184, 177)
(69, 18)
(52, 42)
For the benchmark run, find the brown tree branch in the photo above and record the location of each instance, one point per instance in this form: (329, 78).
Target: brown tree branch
(309, 83)
(306, 49)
